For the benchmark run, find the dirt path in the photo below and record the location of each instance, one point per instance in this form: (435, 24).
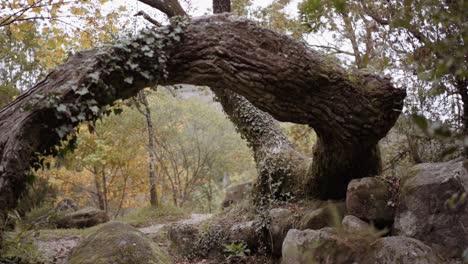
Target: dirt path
(55, 248)
(194, 219)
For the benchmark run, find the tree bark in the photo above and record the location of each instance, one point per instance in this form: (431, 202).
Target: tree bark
(350, 111)
(221, 6)
(151, 147)
(282, 170)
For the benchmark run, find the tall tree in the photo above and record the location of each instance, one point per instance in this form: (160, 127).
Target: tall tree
(145, 110)
(423, 38)
(349, 110)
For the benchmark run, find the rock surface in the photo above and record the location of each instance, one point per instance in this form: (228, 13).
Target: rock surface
(117, 243)
(86, 217)
(183, 238)
(315, 247)
(370, 199)
(432, 209)
(351, 223)
(237, 193)
(329, 214)
(66, 205)
(279, 226)
(401, 250)
(245, 232)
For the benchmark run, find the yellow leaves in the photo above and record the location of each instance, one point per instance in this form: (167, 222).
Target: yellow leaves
(31, 2)
(78, 11)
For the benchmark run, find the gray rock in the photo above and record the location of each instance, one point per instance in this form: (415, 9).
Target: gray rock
(401, 250)
(330, 215)
(351, 223)
(279, 226)
(117, 243)
(183, 238)
(370, 199)
(86, 217)
(245, 232)
(237, 193)
(430, 207)
(315, 247)
(67, 205)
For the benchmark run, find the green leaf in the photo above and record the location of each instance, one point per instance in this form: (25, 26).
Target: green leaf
(421, 122)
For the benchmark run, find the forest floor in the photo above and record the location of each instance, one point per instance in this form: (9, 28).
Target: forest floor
(55, 245)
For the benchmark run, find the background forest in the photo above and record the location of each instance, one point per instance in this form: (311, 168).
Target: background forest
(174, 147)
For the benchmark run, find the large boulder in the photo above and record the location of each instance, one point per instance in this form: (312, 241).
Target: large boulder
(401, 250)
(329, 215)
(183, 238)
(237, 193)
(280, 223)
(86, 217)
(351, 223)
(246, 232)
(66, 205)
(370, 199)
(316, 247)
(433, 206)
(117, 243)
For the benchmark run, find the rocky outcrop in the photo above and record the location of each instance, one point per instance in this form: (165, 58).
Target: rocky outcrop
(280, 224)
(401, 250)
(433, 206)
(117, 243)
(315, 247)
(66, 205)
(86, 217)
(245, 232)
(237, 193)
(329, 214)
(183, 238)
(370, 199)
(351, 223)
(332, 246)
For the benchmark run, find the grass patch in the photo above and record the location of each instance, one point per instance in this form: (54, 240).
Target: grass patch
(20, 244)
(154, 215)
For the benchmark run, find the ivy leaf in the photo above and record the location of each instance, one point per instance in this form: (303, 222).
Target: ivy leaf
(62, 108)
(94, 109)
(83, 91)
(129, 80)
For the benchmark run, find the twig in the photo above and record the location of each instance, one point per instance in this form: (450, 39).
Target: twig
(148, 18)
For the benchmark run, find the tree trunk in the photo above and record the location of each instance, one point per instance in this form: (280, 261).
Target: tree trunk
(282, 170)
(221, 6)
(99, 193)
(152, 160)
(462, 88)
(350, 111)
(104, 190)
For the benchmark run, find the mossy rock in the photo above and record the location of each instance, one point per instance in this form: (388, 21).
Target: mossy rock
(117, 243)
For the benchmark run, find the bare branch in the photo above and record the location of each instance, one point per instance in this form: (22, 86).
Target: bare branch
(148, 18)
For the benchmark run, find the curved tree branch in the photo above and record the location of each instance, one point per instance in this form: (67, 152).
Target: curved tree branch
(350, 111)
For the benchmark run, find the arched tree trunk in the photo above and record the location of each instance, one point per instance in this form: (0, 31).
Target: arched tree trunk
(350, 111)
(282, 170)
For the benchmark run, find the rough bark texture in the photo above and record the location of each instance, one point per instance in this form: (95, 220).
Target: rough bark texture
(221, 6)
(349, 111)
(168, 7)
(281, 168)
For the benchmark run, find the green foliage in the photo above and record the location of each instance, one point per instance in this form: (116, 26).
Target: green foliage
(236, 249)
(20, 245)
(38, 194)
